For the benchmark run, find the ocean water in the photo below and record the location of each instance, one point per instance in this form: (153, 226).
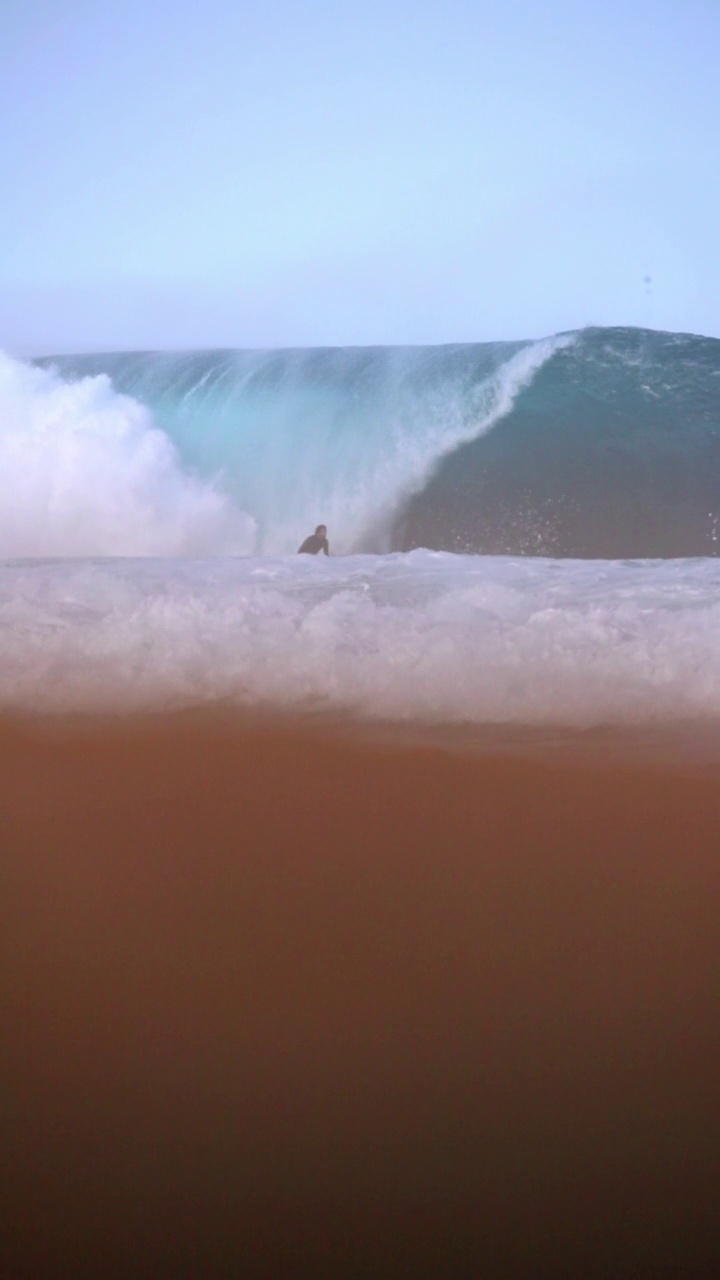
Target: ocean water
(522, 533)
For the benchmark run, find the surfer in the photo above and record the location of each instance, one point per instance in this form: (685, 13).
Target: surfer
(316, 542)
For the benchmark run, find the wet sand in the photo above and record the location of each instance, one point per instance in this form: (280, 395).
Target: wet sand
(287, 1001)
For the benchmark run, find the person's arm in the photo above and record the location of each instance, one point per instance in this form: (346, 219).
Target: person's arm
(326, 547)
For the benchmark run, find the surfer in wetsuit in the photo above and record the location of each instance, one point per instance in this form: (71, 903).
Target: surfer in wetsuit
(316, 542)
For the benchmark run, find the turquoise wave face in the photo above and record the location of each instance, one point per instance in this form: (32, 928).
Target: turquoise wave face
(602, 444)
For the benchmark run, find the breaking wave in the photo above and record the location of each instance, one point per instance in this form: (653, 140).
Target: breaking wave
(603, 444)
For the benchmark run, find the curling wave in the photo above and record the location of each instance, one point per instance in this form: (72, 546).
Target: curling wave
(603, 444)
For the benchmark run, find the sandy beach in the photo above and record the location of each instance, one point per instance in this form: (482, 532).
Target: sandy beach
(280, 1000)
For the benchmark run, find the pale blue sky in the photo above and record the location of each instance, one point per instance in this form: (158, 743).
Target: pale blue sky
(321, 172)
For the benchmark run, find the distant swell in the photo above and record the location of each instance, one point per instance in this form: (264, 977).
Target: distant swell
(604, 444)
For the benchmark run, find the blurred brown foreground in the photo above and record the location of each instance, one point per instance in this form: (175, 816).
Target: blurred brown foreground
(279, 1001)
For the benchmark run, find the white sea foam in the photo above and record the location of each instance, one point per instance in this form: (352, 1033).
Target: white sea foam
(424, 636)
(85, 471)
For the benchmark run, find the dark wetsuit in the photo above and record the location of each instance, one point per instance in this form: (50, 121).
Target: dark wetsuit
(312, 545)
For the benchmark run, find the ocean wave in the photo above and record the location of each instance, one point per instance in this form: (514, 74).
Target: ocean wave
(603, 444)
(342, 437)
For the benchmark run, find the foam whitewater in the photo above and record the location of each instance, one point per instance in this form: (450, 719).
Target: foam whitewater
(151, 505)
(419, 636)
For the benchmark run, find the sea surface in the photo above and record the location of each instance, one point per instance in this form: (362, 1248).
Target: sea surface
(521, 533)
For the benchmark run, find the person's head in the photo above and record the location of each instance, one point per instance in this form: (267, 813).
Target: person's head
(321, 531)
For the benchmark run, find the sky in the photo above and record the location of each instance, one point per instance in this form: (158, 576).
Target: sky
(333, 172)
